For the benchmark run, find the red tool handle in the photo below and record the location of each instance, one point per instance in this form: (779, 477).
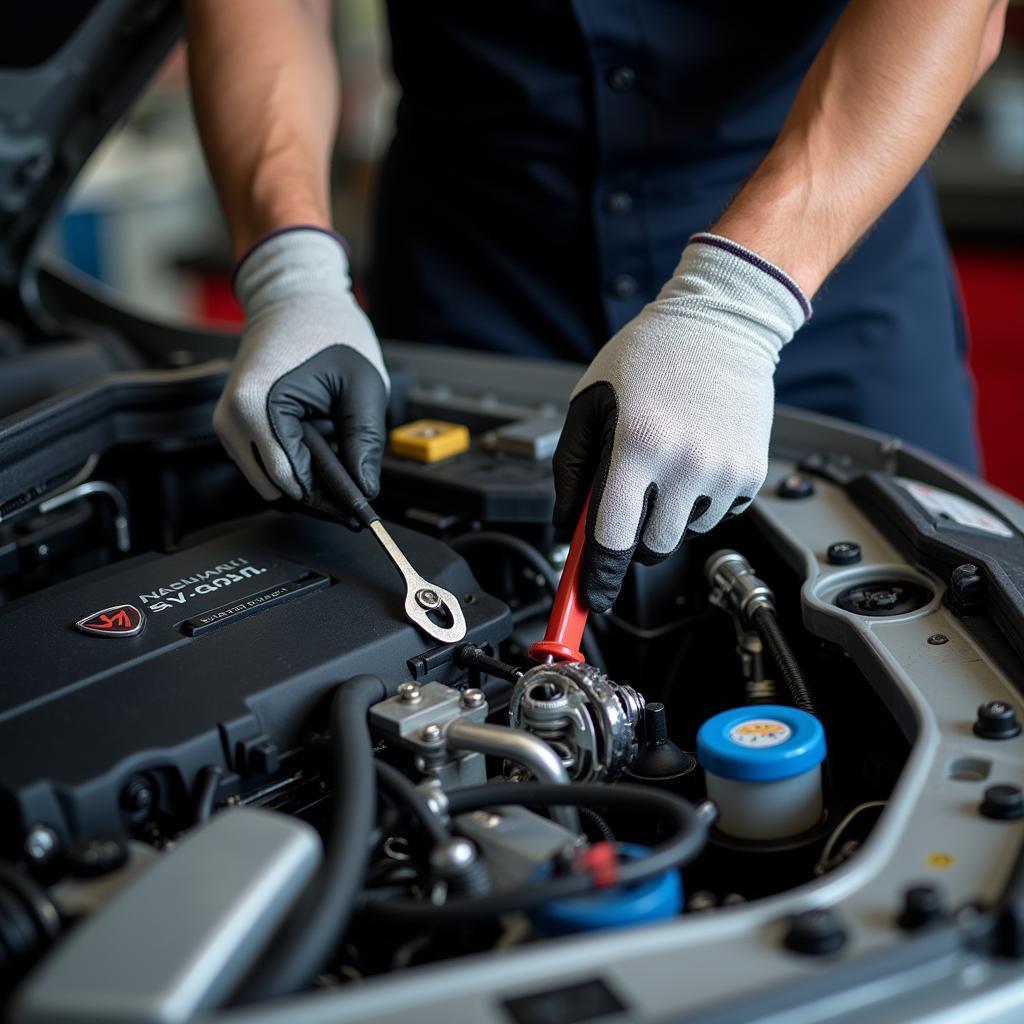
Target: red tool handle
(569, 612)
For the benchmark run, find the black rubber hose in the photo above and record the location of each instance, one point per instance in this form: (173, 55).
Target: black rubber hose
(768, 628)
(402, 791)
(687, 838)
(314, 929)
(526, 551)
(601, 826)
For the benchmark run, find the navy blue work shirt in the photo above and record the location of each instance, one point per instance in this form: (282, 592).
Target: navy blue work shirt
(551, 158)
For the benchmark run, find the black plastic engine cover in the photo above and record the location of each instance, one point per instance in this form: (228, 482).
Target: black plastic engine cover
(246, 632)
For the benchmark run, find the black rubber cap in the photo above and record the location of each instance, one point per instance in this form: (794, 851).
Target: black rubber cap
(922, 905)
(89, 858)
(843, 552)
(795, 486)
(996, 721)
(1003, 802)
(658, 757)
(815, 933)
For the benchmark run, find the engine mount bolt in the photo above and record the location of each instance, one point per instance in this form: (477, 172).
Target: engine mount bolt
(815, 933)
(844, 552)
(473, 698)
(41, 843)
(922, 905)
(410, 693)
(1003, 802)
(996, 721)
(431, 734)
(429, 600)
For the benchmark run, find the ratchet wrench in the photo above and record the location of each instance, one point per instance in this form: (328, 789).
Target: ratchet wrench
(421, 596)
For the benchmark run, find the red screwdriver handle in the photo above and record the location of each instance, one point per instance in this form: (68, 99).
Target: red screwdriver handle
(569, 612)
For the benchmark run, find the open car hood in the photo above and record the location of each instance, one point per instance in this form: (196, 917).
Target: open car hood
(68, 70)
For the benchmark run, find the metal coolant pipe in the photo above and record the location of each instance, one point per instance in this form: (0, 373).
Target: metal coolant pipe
(522, 747)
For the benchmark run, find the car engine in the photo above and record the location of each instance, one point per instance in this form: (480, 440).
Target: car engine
(232, 770)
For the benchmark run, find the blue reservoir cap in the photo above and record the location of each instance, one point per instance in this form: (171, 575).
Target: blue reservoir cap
(763, 743)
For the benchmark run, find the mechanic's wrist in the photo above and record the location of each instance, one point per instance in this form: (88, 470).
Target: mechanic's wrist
(752, 298)
(296, 262)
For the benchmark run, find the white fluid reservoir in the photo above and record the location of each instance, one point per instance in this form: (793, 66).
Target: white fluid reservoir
(763, 770)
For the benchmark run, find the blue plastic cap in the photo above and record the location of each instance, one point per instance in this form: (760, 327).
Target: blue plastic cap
(763, 743)
(658, 898)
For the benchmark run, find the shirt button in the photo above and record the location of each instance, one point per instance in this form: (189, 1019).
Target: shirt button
(623, 286)
(622, 79)
(618, 202)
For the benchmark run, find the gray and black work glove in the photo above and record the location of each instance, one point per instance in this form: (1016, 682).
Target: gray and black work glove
(671, 421)
(308, 352)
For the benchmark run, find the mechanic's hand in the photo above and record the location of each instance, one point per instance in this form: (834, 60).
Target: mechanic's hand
(308, 352)
(671, 421)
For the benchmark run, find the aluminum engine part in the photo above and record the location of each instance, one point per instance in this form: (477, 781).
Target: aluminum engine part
(587, 718)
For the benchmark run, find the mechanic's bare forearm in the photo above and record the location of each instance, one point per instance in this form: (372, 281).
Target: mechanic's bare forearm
(877, 99)
(265, 90)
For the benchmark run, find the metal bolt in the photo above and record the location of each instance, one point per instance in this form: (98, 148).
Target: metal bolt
(137, 796)
(473, 698)
(815, 932)
(452, 856)
(487, 819)
(431, 734)
(436, 797)
(996, 721)
(938, 638)
(410, 693)
(41, 843)
(702, 900)
(428, 600)
(43, 550)
(843, 552)
(1003, 802)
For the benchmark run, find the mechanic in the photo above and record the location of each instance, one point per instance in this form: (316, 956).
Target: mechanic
(552, 159)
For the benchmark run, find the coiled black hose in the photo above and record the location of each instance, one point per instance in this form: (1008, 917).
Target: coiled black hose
(687, 836)
(768, 628)
(314, 929)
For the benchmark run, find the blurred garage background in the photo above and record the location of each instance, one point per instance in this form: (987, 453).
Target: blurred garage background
(143, 218)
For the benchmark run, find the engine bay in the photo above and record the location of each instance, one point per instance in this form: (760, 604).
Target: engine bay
(234, 771)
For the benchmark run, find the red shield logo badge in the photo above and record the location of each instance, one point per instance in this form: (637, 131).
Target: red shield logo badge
(119, 620)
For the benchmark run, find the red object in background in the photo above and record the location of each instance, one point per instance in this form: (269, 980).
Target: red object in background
(569, 611)
(216, 301)
(992, 283)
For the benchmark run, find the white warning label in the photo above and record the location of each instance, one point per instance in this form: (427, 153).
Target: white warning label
(944, 505)
(760, 732)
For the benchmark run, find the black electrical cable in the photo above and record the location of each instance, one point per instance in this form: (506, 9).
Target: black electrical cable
(768, 628)
(525, 550)
(686, 840)
(314, 929)
(206, 791)
(402, 791)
